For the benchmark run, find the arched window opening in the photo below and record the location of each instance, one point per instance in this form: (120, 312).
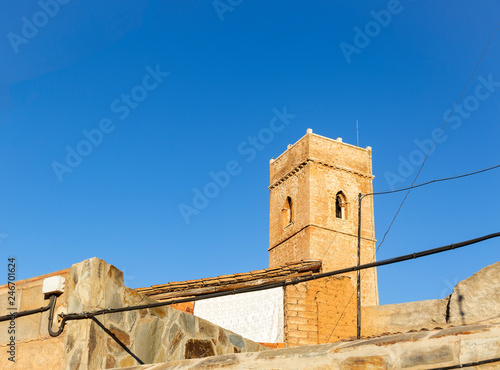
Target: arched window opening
(340, 206)
(287, 212)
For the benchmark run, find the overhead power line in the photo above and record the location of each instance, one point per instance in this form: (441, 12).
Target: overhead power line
(360, 199)
(437, 137)
(436, 180)
(470, 364)
(292, 281)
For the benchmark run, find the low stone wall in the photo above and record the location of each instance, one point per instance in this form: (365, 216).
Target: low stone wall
(473, 300)
(34, 347)
(112, 340)
(403, 317)
(476, 298)
(423, 350)
(151, 335)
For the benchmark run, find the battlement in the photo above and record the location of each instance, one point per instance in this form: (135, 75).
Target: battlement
(322, 150)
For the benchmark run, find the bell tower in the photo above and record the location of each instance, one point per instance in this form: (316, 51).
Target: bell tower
(314, 207)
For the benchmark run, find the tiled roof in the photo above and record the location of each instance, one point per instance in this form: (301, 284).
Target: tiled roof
(229, 282)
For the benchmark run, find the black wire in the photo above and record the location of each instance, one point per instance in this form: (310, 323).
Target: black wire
(115, 338)
(433, 181)
(434, 143)
(15, 315)
(52, 333)
(476, 363)
(296, 280)
(293, 281)
(402, 189)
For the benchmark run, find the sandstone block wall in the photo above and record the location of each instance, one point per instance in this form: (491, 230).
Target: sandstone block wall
(424, 350)
(474, 300)
(35, 348)
(152, 335)
(403, 317)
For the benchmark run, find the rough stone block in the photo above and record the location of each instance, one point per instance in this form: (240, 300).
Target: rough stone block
(403, 317)
(198, 348)
(188, 323)
(428, 355)
(237, 340)
(367, 362)
(476, 298)
(143, 341)
(207, 329)
(127, 361)
(121, 336)
(175, 335)
(479, 349)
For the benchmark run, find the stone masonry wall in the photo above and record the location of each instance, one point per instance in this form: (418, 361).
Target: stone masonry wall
(473, 300)
(320, 311)
(35, 348)
(403, 317)
(153, 335)
(415, 351)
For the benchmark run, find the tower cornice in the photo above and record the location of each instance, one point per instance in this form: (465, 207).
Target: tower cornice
(314, 160)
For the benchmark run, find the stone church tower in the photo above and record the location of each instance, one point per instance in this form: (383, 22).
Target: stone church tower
(314, 214)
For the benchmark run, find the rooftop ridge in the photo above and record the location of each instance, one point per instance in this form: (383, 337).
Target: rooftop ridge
(226, 280)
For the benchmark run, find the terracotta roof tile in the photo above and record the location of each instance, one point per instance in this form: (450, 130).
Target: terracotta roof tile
(225, 282)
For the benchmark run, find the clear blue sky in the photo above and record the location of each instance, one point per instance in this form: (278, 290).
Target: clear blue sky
(176, 87)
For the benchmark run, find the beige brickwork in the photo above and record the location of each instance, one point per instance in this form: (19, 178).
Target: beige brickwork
(309, 175)
(319, 311)
(34, 347)
(336, 305)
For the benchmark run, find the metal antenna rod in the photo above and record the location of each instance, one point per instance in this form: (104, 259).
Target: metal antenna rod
(357, 133)
(358, 276)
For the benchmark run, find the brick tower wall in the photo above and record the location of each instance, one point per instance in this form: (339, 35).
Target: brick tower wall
(320, 311)
(311, 173)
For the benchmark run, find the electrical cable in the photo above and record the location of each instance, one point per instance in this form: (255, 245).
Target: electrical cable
(354, 292)
(475, 363)
(395, 191)
(437, 137)
(293, 281)
(52, 305)
(15, 315)
(354, 203)
(436, 180)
